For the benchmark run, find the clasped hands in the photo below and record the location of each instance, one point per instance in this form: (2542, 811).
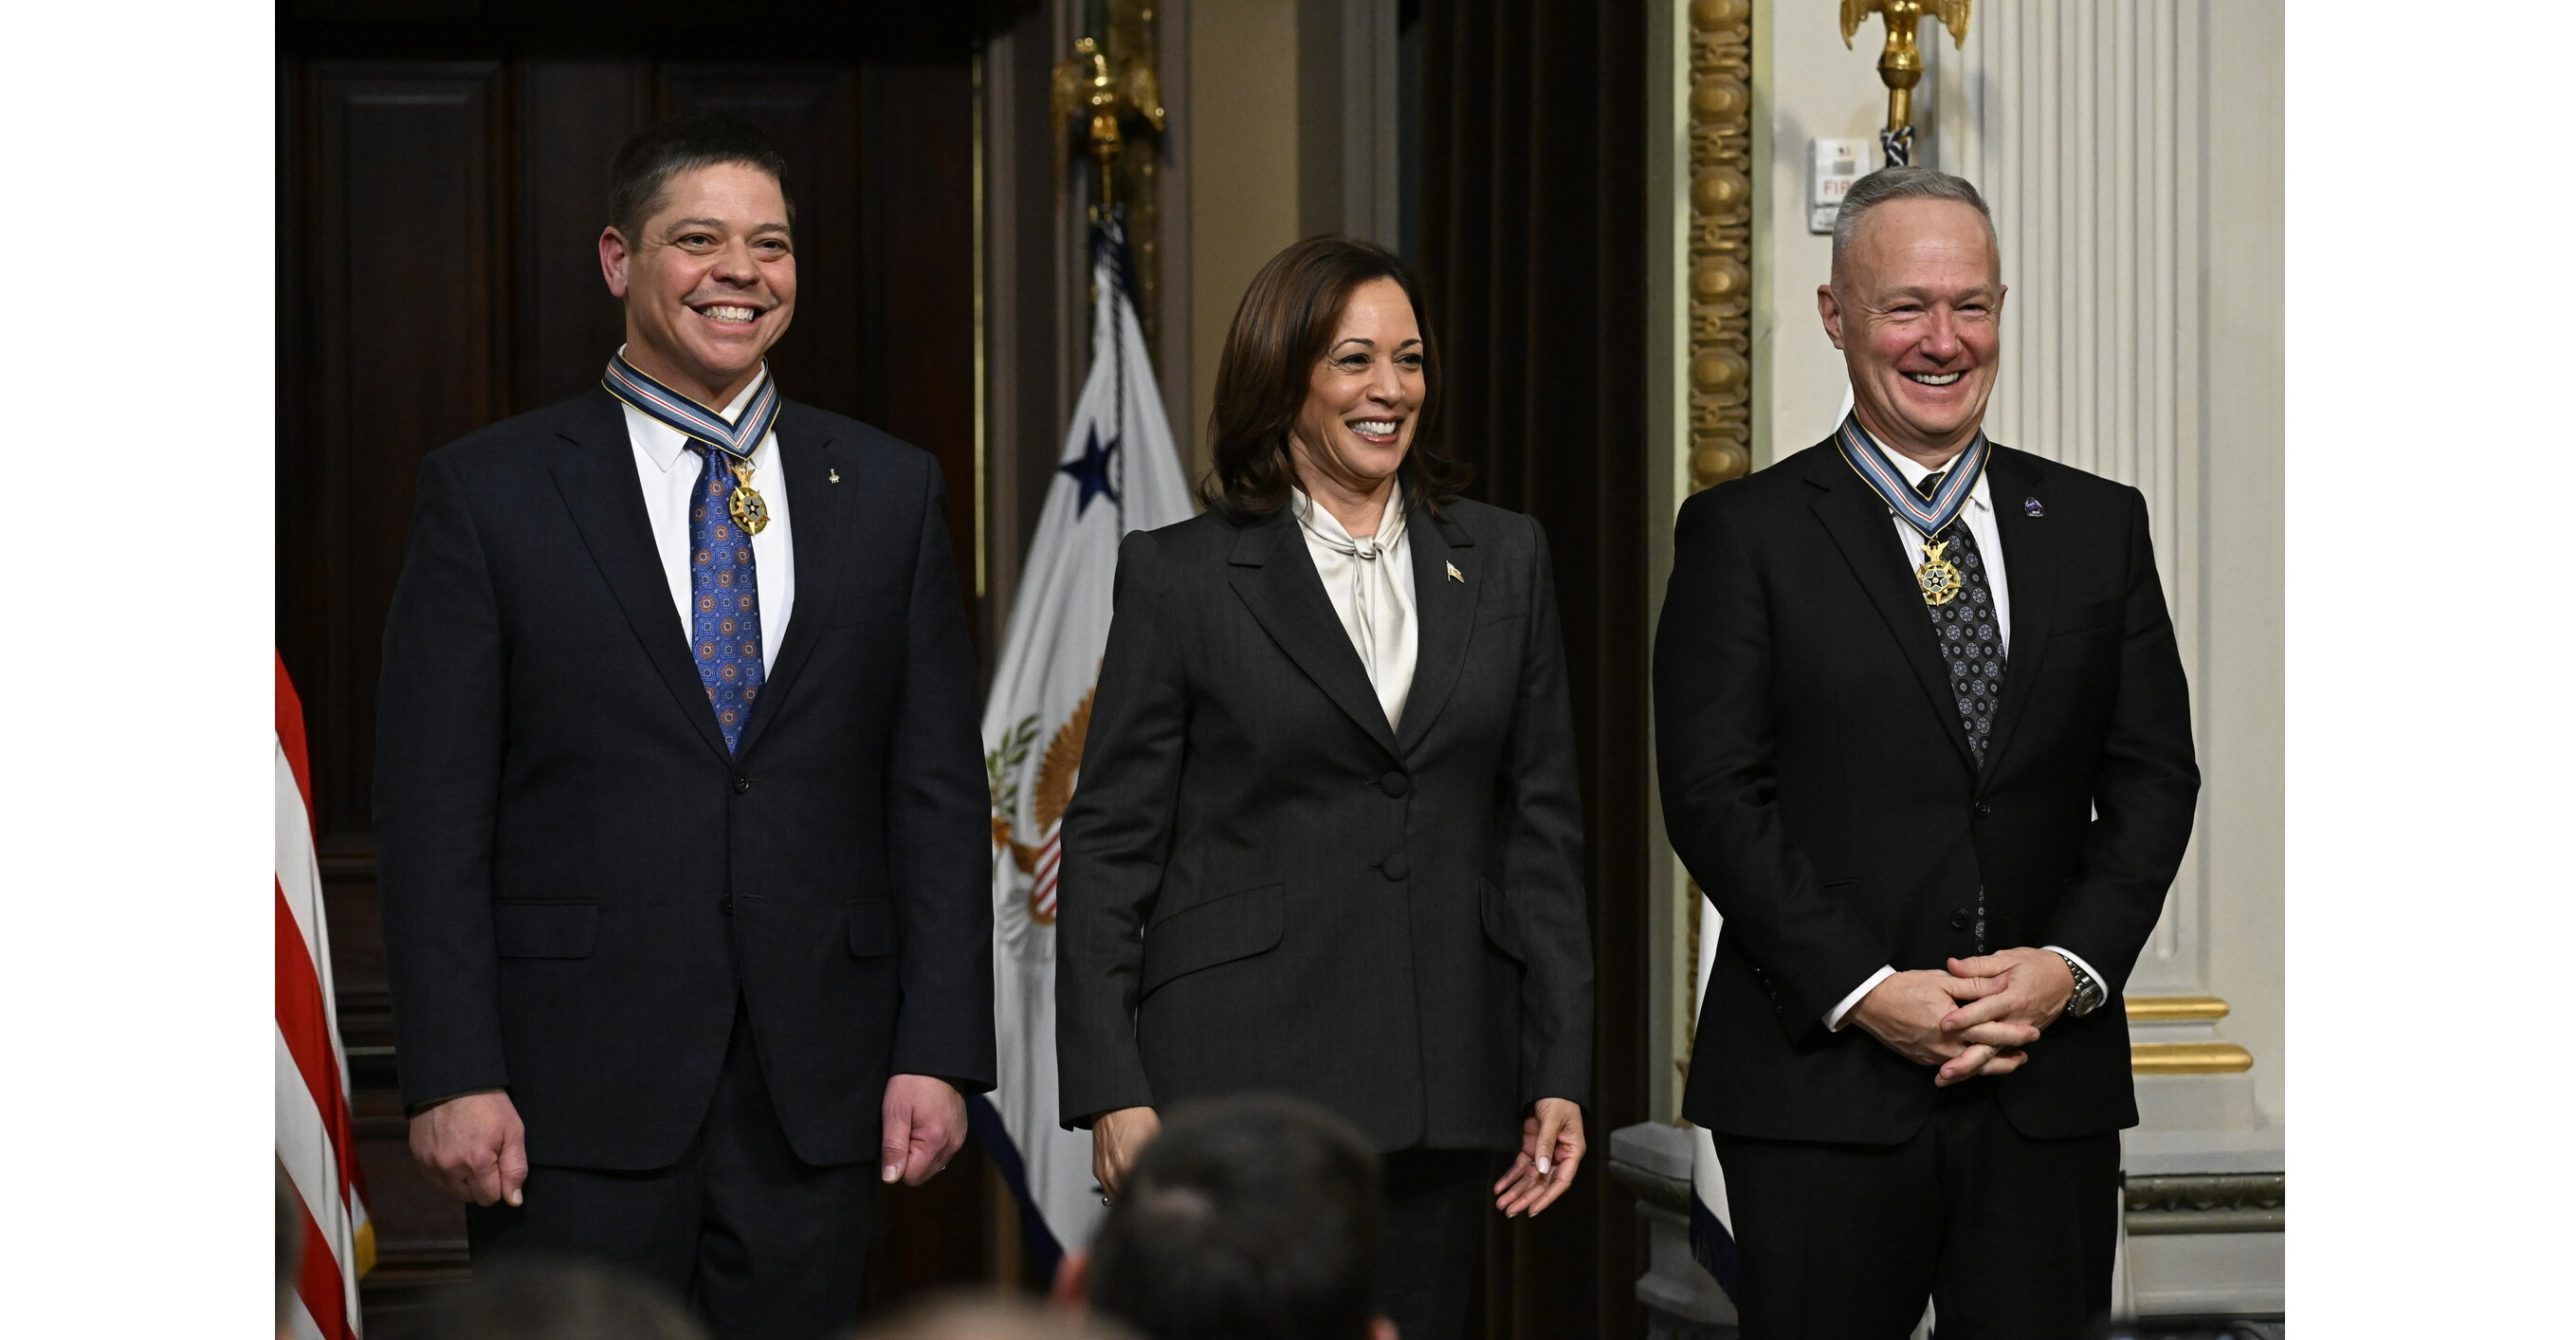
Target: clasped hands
(473, 1146)
(1975, 1018)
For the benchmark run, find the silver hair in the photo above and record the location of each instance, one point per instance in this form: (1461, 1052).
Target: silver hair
(1903, 183)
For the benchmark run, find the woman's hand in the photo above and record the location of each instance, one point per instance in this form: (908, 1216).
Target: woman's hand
(1551, 1149)
(1119, 1134)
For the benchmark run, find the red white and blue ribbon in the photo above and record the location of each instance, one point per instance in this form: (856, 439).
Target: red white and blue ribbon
(1926, 515)
(654, 398)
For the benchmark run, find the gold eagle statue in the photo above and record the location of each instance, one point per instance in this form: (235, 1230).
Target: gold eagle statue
(1900, 64)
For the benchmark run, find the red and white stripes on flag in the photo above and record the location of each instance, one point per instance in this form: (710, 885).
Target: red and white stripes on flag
(315, 1128)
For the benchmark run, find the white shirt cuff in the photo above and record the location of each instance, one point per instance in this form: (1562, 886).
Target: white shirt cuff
(1839, 1016)
(2094, 974)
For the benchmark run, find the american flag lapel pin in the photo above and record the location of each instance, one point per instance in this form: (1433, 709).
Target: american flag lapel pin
(1454, 575)
(2034, 508)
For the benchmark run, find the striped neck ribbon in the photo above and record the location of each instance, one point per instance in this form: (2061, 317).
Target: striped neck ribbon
(652, 397)
(1926, 515)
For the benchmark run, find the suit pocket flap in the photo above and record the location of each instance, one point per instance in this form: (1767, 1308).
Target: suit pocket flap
(545, 930)
(871, 927)
(1222, 930)
(1496, 911)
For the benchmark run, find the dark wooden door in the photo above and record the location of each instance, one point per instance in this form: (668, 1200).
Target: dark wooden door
(441, 178)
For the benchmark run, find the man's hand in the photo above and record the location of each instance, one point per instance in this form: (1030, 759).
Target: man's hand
(922, 1124)
(2029, 986)
(1910, 1011)
(1551, 1149)
(472, 1147)
(1118, 1135)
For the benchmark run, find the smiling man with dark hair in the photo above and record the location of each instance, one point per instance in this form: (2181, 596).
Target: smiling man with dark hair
(682, 817)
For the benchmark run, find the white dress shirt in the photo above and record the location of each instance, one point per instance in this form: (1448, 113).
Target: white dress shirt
(1985, 525)
(668, 470)
(1370, 580)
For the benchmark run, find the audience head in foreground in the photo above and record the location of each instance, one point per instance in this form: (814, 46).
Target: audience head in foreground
(1254, 1217)
(968, 1316)
(554, 1298)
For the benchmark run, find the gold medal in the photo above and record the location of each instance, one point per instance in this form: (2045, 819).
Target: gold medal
(746, 506)
(1939, 580)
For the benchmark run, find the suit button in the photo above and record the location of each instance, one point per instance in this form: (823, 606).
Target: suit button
(740, 783)
(1960, 919)
(724, 904)
(1393, 784)
(1394, 867)
(1981, 810)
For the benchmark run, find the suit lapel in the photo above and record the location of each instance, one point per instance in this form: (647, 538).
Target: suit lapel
(1447, 610)
(1862, 527)
(1269, 568)
(821, 516)
(602, 490)
(2026, 551)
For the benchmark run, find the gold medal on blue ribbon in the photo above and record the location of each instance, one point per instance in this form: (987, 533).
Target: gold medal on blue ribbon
(1939, 580)
(1932, 515)
(736, 442)
(746, 506)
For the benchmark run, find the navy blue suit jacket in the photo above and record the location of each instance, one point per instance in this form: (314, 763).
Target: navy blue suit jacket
(581, 886)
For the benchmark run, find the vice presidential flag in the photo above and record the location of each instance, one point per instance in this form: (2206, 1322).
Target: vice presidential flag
(315, 1127)
(1117, 472)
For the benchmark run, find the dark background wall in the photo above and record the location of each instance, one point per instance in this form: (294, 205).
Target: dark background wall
(1531, 244)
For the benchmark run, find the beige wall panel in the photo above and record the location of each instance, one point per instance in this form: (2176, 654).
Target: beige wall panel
(1244, 171)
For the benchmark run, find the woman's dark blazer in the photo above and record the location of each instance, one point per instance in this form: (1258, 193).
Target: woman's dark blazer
(1265, 888)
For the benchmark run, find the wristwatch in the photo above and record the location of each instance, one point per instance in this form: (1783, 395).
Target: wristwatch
(2084, 989)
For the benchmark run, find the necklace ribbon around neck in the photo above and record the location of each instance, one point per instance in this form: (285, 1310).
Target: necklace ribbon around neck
(655, 399)
(736, 442)
(1927, 515)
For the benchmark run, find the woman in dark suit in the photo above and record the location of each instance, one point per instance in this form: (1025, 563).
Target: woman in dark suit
(1327, 838)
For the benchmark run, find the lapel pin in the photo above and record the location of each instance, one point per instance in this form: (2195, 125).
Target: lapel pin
(831, 477)
(2034, 508)
(1454, 575)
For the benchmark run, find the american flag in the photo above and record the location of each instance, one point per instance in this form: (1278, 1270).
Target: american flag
(315, 1128)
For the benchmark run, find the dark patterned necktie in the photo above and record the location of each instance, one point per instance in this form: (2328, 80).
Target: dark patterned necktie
(1969, 633)
(1969, 637)
(728, 629)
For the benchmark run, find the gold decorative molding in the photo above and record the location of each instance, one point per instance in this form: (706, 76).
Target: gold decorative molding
(2191, 1058)
(2175, 1009)
(1719, 300)
(1719, 241)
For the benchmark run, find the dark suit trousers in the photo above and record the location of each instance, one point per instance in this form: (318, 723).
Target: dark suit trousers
(762, 1244)
(1433, 1238)
(2014, 1238)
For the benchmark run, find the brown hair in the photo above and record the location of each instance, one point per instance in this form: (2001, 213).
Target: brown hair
(1283, 326)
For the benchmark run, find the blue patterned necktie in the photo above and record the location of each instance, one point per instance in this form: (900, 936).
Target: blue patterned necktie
(728, 629)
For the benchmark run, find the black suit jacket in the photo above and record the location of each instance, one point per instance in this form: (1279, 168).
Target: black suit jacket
(1266, 888)
(580, 885)
(1816, 782)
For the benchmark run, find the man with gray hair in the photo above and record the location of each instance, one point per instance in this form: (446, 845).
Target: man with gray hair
(1923, 738)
